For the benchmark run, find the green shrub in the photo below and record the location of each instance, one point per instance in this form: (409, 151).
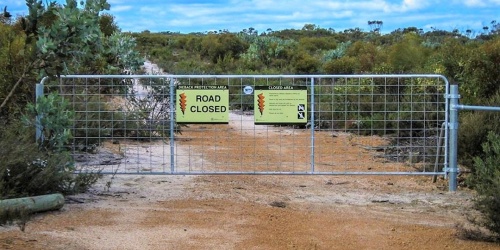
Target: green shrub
(474, 127)
(29, 167)
(54, 121)
(25, 168)
(486, 181)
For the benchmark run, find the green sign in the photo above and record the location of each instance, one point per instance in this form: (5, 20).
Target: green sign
(202, 104)
(280, 104)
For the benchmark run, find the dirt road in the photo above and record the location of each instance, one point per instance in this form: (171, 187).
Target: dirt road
(252, 212)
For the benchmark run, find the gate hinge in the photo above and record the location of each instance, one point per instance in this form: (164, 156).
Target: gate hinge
(448, 170)
(449, 96)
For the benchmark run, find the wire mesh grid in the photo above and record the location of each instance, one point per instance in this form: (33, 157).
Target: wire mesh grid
(355, 125)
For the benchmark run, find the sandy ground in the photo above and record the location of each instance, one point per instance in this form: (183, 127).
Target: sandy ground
(252, 211)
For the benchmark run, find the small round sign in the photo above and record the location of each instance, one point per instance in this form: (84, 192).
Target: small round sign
(248, 90)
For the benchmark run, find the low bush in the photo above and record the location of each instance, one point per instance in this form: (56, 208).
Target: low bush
(29, 167)
(486, 181)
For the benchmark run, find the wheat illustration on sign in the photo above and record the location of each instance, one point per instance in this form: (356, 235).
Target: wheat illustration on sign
(182, 102)
(261, 102)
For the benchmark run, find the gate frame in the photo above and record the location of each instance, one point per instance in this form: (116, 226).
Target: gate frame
(450, 169)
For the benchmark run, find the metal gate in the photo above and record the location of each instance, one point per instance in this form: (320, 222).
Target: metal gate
(353, 124)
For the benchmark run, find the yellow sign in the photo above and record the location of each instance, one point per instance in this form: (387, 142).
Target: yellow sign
(202, 104)
(280, 104)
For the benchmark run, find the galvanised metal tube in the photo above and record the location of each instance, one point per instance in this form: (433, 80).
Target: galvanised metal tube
(453, 127)
(39, 91)
(38, 125)
(479, 108)
(278, 173)
(446, 120)
(312, 125)
(256, 76)
(438, 150)
(172, 125)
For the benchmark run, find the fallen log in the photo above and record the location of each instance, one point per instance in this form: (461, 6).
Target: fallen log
(34, 204)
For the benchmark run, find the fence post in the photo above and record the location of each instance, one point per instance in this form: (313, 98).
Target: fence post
(39, 130)
(453, 126)
(312, 124)
(172, 124)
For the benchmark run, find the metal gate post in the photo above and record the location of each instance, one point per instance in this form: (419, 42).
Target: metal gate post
(38, 125)
(312, 124)
(172, 125)
(453, 126)
(39, 92)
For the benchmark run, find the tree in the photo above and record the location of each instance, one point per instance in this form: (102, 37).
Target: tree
(375, 26)
(366, 53)
(68, 39)
(5, 16)
(51, 40)
(107, 24)
(219, 46)
(408, 55)
(343, 66)
(481, 74)
(309, 27)
(303, 63)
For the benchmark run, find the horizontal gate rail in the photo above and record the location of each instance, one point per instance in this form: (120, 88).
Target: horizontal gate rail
(356, 125)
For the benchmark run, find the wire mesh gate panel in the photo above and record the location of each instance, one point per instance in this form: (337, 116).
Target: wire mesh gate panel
(353, 124)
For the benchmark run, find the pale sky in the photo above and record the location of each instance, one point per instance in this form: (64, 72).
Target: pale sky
(235, 15)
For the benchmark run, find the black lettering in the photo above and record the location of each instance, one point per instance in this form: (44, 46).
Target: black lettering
(205, 109)
(208, 98)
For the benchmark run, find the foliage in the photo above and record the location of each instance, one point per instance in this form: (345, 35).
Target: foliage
(75, 42)
(38, 167)
(486, 181)
(58, 39)
(313, 44)
(481, 74)
(53, 119)
(52, 39)
(51, 115)
(107, 24)
(263, 50)
(470, 62)
(474, 128)
(336, 53)
(14, 63)
(120, 53)
(366, 55)
(342, 66)
(304, 63)
(45, 166)
(407, 56)
(28, 170)
(215, 47)
(69, 40)
(78, 38)
(150, 109)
